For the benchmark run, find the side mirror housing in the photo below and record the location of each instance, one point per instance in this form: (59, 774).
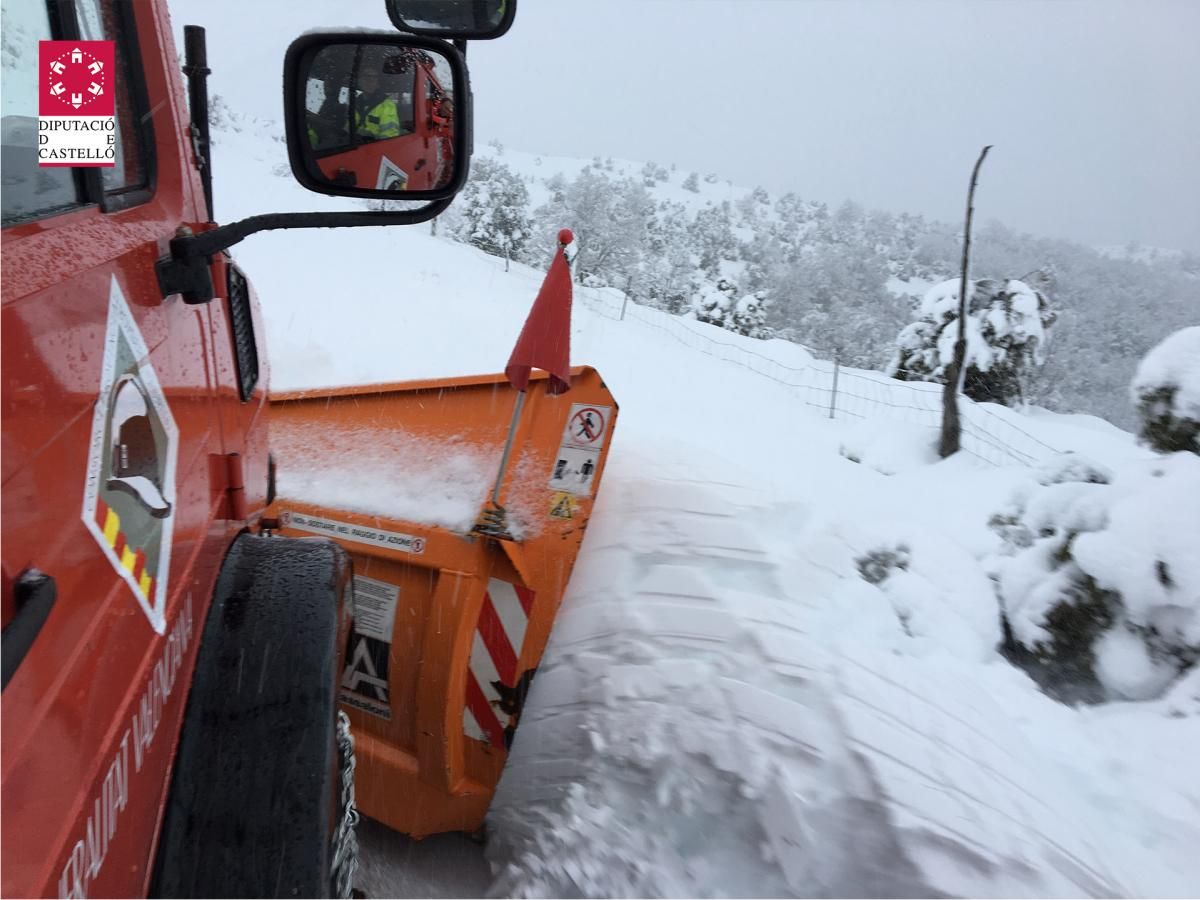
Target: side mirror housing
(377, 115)
(478, 20)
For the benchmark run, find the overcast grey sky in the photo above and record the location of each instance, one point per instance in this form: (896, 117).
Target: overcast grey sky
(1093, 106)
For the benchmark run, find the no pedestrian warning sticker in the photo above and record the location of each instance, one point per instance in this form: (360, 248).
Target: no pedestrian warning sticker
(587, 426)
(77, 104)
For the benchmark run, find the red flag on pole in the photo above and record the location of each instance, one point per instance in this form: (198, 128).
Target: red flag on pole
(545, 341)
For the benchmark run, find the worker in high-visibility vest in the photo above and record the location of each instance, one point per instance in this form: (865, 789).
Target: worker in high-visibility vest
(376, 115)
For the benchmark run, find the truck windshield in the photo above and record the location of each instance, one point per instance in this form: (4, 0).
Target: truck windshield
(29, 190)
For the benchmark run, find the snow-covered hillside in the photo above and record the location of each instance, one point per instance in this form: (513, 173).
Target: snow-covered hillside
(775, 671)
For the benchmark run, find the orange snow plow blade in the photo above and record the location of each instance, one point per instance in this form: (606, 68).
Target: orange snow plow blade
(450, 624)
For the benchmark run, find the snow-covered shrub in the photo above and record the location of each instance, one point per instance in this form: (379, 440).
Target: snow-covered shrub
(1066, 467)
(876, 565)
(1166, 392)
(1006, 329)
(713, 303)
(718, 304)
(1100, 581)
(750, 315)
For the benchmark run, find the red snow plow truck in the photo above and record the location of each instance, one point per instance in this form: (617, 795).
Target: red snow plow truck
(195, 670)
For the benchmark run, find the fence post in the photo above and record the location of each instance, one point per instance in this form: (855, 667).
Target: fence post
(833, 399)
(625, 299)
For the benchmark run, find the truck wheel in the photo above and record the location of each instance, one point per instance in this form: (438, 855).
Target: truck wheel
(262, 795)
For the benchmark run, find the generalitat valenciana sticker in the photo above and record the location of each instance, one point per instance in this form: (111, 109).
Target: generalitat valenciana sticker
(129, 496)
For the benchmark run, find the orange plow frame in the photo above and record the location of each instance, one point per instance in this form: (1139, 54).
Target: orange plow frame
(466, 616)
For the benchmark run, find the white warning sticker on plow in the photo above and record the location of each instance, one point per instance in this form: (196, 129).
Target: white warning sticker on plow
(574, 470)
(375, 607)
(376, 537)
(587, 426)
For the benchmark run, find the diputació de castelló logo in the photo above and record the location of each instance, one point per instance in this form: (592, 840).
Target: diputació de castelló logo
(77, 103)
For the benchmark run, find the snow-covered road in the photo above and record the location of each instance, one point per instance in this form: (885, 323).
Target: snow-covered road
(727, 709)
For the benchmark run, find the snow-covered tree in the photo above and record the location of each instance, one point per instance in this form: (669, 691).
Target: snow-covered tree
(1007, 327)
(712, 237)
(834, 298)
(1166, 392)
(609, 217)
(668, 267)
(495, 209)
(692, 183)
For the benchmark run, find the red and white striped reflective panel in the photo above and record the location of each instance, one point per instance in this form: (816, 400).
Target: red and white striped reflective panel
(499, 637)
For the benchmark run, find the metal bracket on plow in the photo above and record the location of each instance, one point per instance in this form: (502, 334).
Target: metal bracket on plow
(493, 523)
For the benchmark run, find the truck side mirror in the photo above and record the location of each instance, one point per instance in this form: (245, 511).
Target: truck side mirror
(377, 116)
(453, 19)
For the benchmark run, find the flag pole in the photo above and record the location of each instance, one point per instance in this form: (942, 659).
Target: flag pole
(512, 431)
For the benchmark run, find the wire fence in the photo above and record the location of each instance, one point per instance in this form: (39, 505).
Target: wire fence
(988, 432)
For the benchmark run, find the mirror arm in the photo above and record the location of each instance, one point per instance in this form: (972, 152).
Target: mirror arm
(460, 44)
(186, 271)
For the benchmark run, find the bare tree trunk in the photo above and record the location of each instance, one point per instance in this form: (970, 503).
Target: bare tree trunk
(951, 440)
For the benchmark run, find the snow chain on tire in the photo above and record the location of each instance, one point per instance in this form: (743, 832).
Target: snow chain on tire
(345, 841)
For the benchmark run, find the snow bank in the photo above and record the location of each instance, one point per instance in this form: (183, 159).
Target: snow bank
(902, 447)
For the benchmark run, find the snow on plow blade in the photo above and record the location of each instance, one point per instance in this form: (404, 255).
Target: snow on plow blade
(450, 624)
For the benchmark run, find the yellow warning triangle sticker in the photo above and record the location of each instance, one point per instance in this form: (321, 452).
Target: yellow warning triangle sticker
(562, 506)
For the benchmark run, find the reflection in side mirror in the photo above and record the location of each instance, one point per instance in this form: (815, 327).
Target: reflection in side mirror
(378, 118)
(466, 19)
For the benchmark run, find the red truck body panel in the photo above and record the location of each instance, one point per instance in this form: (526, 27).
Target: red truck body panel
(91, 718)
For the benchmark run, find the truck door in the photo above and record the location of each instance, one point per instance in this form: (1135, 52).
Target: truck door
(109, 427)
